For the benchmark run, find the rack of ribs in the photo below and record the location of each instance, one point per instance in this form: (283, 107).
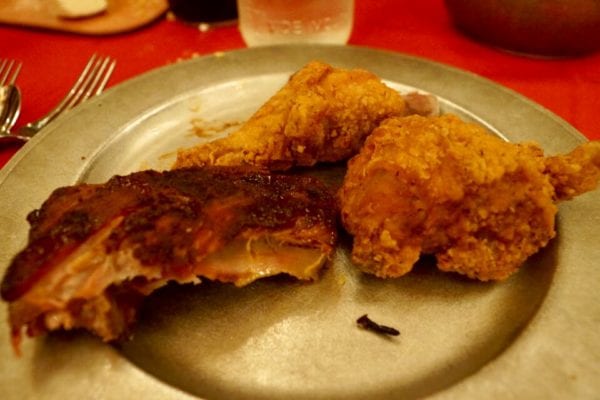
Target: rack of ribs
(96, 250)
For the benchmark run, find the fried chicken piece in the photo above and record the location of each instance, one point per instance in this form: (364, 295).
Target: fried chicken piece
(321, 114)
(445, 187)
(95, 251)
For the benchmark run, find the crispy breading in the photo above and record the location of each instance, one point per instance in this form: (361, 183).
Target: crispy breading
(449, 188)
(321, 114)
(576, 172)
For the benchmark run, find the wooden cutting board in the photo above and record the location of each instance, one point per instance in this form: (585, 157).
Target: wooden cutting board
(120, 16)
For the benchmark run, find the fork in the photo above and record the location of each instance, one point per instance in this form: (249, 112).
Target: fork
(91, 82)
(10, 98)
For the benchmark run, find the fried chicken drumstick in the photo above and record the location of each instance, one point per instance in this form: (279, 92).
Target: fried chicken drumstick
(445, 187)
(323, 114)
(95, 251)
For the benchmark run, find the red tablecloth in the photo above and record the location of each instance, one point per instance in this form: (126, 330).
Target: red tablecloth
(51, 60)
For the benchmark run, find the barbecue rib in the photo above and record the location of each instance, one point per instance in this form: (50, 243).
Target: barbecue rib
(445, 187)
(323, 114)
(95, 251)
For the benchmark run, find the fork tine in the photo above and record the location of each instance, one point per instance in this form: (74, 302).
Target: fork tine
(97, 73)
(79, 94)
(7, 71)
(95, 82)
(13, 78)
(2, 69)
(107, 75)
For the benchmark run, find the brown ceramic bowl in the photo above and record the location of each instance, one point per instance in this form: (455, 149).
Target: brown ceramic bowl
(539, 27)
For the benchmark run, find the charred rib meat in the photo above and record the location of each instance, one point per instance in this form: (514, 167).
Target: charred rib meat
(95, 250)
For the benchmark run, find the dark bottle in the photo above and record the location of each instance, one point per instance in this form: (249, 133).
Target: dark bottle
(204, 10)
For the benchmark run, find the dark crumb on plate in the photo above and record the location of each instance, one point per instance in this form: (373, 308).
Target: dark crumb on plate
(366, 323)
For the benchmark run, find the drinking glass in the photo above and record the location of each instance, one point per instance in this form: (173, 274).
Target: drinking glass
(266, 22)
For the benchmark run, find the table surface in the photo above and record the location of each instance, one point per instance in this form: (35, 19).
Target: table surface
(568, 87)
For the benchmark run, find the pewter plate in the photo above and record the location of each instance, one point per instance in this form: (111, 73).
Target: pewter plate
(534, 335)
